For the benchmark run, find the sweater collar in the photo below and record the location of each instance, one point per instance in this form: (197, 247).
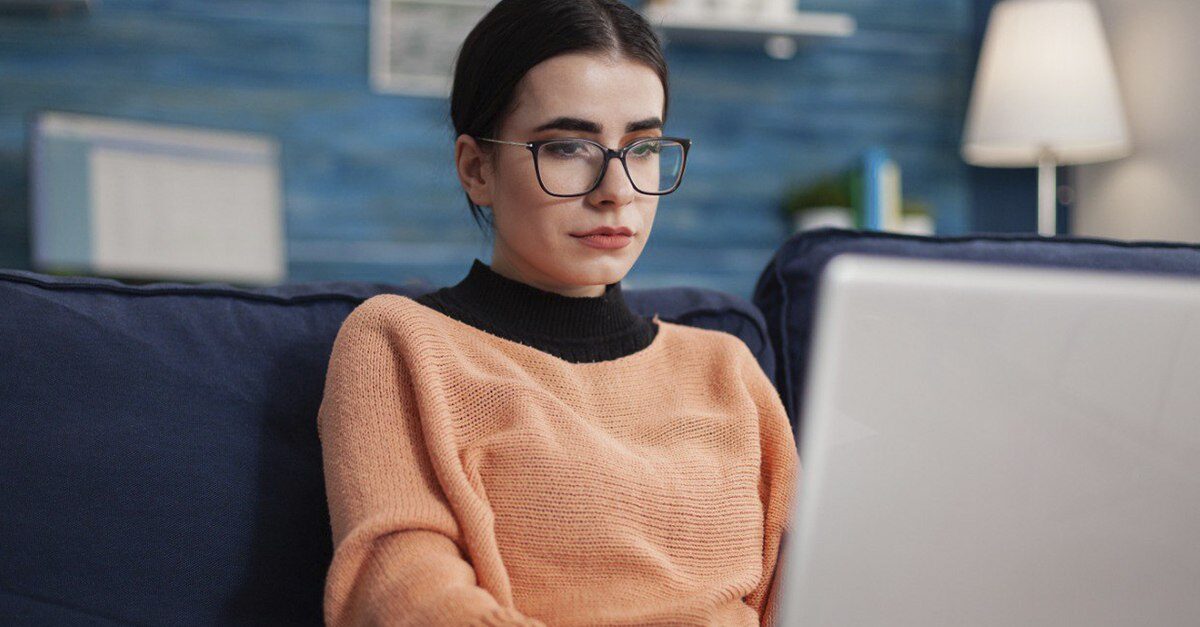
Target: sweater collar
(519, 307)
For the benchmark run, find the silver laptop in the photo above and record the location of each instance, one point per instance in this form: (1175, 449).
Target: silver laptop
(995, 445)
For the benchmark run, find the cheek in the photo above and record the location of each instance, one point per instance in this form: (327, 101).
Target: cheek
(516, 180)
(648, 211)
(526, 212)
(532, 224)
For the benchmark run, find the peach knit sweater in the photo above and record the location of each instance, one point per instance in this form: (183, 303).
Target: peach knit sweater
(474, 480)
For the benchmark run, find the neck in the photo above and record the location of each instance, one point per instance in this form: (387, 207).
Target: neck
(508, 271)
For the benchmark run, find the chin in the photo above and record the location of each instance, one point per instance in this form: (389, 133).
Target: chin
(613, 272)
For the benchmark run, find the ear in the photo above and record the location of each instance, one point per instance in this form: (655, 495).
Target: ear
(474, 170)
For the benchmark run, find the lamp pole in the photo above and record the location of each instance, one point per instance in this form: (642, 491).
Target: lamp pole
(1047, 193)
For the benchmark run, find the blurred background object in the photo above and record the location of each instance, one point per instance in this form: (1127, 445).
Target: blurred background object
(414, 43)
(868, 195)
(149, 202)
(1045, 94)
(775, 25)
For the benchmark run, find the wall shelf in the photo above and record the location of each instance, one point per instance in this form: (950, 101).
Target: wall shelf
(750, 28)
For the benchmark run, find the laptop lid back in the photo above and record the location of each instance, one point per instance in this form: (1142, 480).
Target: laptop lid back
(994, 445)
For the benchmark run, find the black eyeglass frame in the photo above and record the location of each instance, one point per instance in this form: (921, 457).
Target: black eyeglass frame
(609, 154)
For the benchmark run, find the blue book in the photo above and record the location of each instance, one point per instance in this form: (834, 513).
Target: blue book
(881, 191)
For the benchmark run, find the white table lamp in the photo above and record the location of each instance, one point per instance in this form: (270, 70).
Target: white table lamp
(1045, 94)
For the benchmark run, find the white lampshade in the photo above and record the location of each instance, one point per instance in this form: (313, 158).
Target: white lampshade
(1045, 81)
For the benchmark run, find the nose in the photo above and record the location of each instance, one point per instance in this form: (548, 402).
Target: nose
(615, 188)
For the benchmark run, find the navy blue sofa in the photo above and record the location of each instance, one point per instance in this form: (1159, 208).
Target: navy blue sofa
(159, 460)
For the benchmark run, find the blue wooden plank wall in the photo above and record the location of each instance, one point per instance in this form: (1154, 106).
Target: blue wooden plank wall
(370, 192)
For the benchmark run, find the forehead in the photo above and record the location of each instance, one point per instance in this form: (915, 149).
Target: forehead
(609, 91)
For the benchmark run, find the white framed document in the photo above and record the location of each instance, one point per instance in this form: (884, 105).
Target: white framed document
(414, 43)
(147, 201)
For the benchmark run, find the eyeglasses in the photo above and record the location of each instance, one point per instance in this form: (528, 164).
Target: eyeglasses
(575, 167)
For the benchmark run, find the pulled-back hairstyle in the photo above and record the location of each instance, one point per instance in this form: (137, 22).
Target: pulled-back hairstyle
(518, 34)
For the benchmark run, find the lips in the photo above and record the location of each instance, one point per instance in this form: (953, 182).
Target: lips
(606, 230)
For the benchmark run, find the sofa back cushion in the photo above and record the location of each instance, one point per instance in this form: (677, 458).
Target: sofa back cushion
(787, 289)
(159, 458)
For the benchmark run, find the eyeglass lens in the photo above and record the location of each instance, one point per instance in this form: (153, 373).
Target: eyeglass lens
(573, 167)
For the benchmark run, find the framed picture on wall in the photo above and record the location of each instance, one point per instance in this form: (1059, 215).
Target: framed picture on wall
(414, 43)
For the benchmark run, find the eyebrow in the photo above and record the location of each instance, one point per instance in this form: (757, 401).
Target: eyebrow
(585, 126)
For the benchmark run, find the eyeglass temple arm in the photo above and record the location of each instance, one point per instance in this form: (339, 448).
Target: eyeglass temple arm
(498, 141)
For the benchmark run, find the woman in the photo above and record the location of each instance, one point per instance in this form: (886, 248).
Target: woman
(521, 448)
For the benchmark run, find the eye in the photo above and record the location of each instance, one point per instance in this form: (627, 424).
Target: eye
(566, 149)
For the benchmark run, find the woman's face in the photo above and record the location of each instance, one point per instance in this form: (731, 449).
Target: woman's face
(610, 101)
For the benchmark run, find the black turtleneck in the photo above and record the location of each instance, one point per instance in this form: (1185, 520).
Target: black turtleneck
(576, 329)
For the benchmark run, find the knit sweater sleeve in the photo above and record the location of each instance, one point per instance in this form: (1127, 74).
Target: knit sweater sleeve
(777, 483)
(398, 557)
